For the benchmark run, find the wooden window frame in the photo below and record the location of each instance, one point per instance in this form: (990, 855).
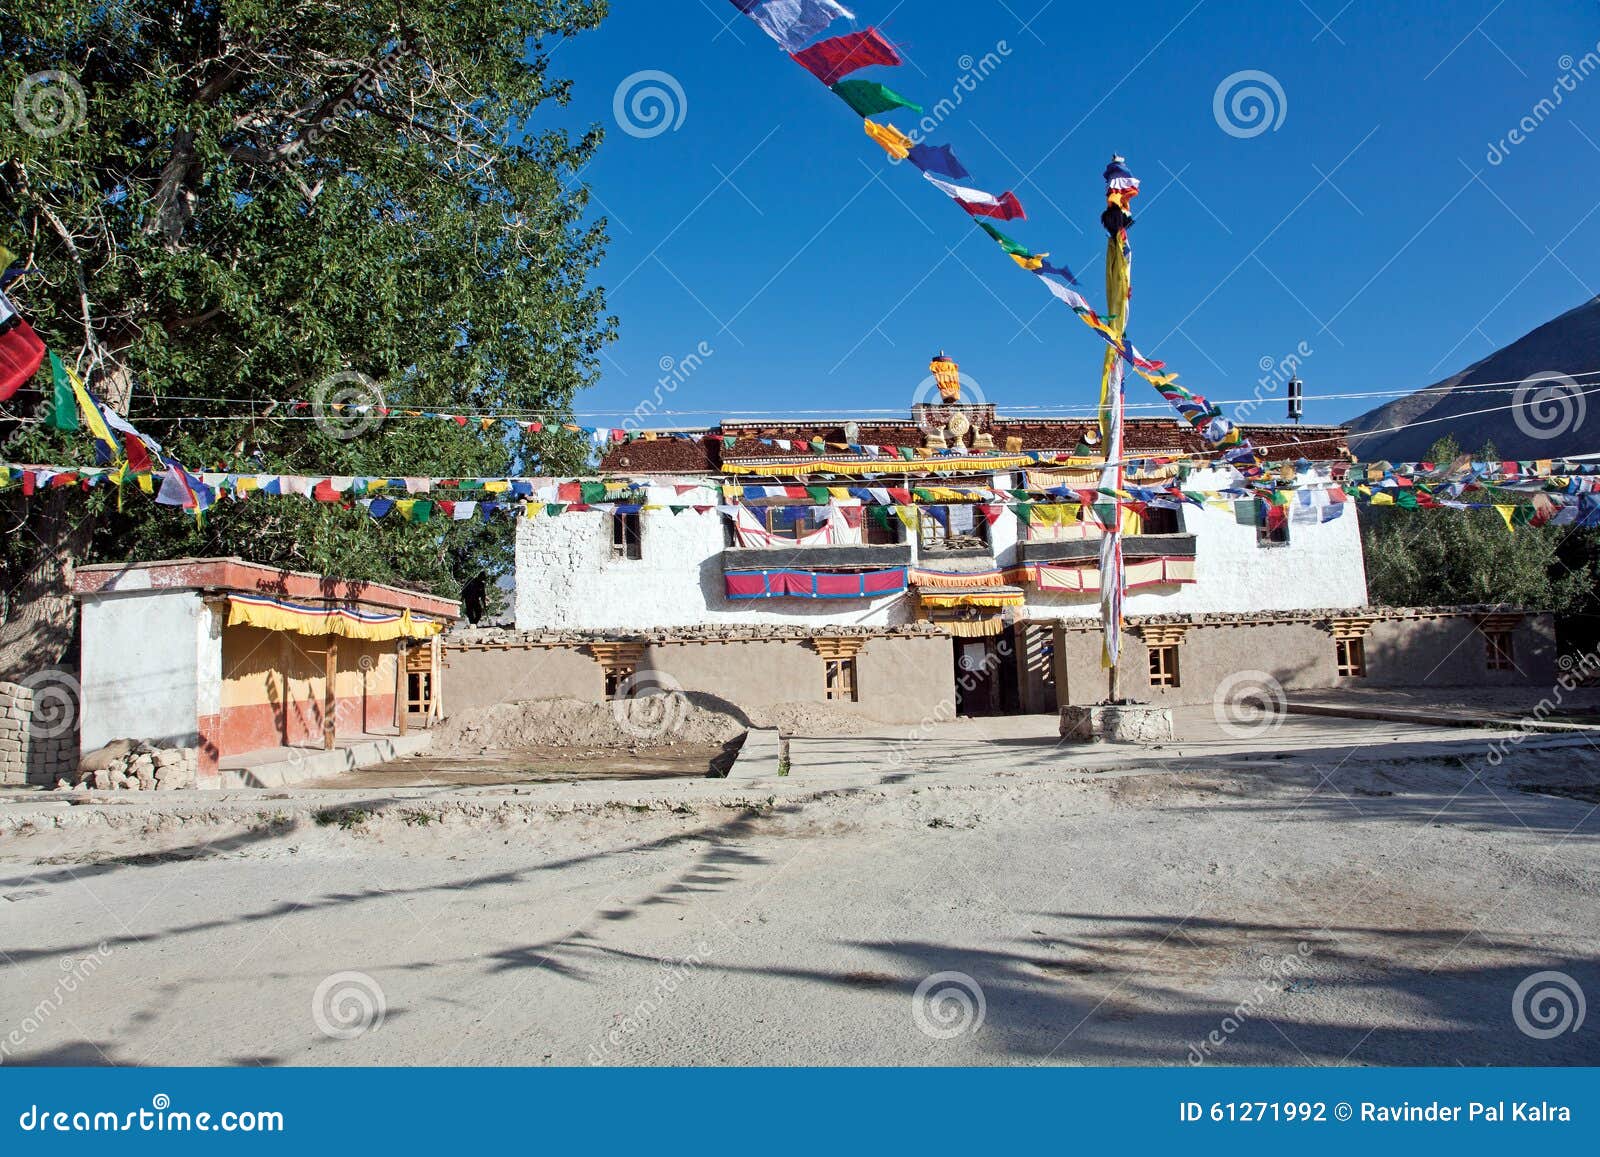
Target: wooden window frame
(1163, 513)
(934, 536)
(1499, 650)
(627, 537)
(841, 680)
(1164, 667)
(1350, 657)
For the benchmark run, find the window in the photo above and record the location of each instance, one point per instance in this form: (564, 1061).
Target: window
(1268, 534)
(1164, 665)
(1161, 521)
(1498, 651)
(960, 527)
(1351, 657)
(881, 526)
(841, 679)
(617, 681)
(627, 536)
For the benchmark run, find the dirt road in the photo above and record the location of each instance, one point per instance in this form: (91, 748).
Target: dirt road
(1285, 912)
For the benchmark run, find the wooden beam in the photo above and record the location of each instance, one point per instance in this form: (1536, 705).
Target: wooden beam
(329, 694)
(402, 688)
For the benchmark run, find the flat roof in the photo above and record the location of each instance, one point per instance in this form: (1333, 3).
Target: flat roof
(236, 574)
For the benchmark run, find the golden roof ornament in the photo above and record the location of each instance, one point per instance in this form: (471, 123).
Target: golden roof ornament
(947, 375)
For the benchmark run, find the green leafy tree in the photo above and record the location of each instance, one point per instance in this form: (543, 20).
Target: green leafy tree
(1430, 557)
(228, 203)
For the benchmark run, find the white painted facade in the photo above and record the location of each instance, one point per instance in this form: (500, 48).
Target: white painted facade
(151, 665)
(568, 579)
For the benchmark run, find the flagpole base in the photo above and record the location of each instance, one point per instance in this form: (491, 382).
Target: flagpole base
(1117, 723)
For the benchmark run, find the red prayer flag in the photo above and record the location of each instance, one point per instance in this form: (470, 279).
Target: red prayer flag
(832, 60)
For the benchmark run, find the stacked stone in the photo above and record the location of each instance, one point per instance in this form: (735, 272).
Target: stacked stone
(144, 768)
(30, 753)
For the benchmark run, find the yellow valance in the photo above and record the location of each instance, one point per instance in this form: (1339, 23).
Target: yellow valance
(313, 619)
(995, 598)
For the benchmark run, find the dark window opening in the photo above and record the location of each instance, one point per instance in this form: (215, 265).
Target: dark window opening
(617, 681)
(1158, 520)
(627, 536)
(1498, 651)
(1351, 657)
(1269, 533)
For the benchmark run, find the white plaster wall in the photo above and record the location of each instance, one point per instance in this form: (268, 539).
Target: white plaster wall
(1321, 566)
(141, 666)
(567, 579)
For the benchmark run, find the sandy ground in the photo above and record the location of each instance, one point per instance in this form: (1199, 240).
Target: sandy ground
(1308, 900)
(530, 765)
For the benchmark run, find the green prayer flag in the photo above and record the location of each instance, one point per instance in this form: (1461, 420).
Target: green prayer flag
(1024, 512)
(729, 441)
(63, 405)
(869, 98)
(552, 509)
(591, 492)
(421, 510)
(819, 495)
(907, 452)
(1012, 247)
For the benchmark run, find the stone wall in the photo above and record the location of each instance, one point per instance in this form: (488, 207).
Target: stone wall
(38, 730)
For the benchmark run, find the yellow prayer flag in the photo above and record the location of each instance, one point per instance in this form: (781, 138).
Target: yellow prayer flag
(894, 142)
(1505, 513)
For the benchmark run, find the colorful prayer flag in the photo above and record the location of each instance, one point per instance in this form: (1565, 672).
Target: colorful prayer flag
(869, 98)
(830, 61)
(793, 22)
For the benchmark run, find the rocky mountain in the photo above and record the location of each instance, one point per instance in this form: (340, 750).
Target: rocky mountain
(1547, 378)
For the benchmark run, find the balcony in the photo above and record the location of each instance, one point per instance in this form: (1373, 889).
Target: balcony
(1088, 549)
(877, 557)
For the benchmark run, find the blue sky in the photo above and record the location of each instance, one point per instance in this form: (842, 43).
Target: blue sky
(1370, 226)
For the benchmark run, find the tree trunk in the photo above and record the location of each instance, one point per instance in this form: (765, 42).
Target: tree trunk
(40, 613)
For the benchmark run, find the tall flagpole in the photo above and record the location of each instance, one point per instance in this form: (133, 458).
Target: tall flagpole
(1121, 187)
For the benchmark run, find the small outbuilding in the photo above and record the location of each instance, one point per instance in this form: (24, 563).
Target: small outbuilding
(219, 657)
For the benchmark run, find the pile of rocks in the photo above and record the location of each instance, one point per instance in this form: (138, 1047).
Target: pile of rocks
(124, 765)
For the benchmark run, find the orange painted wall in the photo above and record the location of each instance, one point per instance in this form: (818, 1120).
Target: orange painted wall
(273, 684)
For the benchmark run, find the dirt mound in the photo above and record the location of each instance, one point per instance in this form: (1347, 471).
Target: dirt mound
(811, 719)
